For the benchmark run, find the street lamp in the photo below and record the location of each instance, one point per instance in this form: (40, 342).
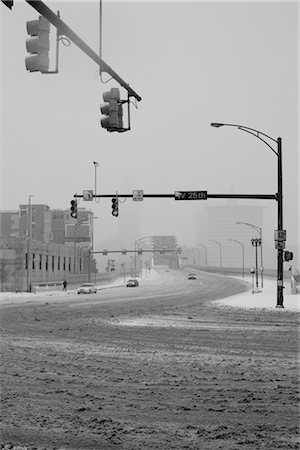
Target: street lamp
(205, 248)
(96, 164)
(279, 244)
(91, 249)
(29, 242)
(259, 230)
(220, 248)
(243, 254)
(256, 243)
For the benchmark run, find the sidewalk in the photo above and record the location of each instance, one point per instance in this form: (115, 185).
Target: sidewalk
(267, 299)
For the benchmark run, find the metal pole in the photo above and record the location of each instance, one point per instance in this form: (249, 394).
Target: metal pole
(29, 243)
(261, 260)
(66, 31)
(134, 259)
(280, 227)
(256, 265)
(243, 253)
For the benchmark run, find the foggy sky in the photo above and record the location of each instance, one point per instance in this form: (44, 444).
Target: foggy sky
(192, 64)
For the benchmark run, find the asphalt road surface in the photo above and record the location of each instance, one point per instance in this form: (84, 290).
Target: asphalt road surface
(153, 367)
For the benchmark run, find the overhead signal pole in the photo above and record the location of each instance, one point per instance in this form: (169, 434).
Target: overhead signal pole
(64, 30)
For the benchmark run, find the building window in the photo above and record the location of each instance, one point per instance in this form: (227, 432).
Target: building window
(40, 263)
(53, 257)
(69, 264)
(58, 263)
(33, 261)
(26, 261)
(80, 265)
(64, 266)
(47, 260)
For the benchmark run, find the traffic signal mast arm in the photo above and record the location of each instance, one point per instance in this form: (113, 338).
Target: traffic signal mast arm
(254, 196)
(66, 31)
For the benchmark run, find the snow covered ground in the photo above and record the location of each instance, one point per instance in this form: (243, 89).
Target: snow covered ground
(266, 298)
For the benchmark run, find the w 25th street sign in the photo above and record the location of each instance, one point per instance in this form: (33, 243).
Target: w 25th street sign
(190, 195)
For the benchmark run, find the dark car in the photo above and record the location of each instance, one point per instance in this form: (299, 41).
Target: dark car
(132, 283)
(192, 276)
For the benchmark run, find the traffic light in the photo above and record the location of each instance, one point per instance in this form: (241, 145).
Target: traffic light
(288, 256)
(7, 3)
(115, 206)
(112, 110)
(73, 209)
(38, 45)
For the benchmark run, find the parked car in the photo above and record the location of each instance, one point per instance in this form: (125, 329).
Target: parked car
(132, 283)
(192, 276)
(87, 288)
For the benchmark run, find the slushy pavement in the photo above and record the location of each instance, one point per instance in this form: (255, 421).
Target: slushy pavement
(266, 299)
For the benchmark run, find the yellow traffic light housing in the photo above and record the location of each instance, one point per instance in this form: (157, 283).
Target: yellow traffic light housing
(38, 45)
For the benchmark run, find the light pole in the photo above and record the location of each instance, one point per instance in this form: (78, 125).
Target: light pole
(256, 243)
(220, 248)
(29, 242)
(91, 249)
(243, 254)
(279, 244)
(259, 230)
(96, 164)
(205, 248)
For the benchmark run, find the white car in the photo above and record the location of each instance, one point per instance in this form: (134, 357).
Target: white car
(87, 288)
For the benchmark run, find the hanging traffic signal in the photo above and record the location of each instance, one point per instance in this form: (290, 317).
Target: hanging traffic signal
(38, 45)
(7, 3)
(73, 209)
(115, 206)
(112, 110)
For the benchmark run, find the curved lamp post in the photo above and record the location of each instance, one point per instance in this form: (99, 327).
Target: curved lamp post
(220, 248)
(243, 254)
(277, 152)
(259, 230)
(205, 248)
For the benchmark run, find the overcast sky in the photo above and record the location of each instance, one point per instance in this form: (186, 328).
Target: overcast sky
(192, 64)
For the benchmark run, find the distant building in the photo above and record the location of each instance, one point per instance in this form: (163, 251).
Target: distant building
(41, 222)
(10, 223)
(218, 229)
(53, 247)
(163, 250)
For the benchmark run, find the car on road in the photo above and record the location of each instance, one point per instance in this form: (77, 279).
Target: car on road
(87, 288)
(192, 276)
(132, 283)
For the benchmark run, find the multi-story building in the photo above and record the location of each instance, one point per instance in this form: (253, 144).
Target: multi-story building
(49, 247)
(10, 223)
(222, 240)
(163, 250)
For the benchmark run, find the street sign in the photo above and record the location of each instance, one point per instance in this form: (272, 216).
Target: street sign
(190, 195)
(137, 195)
(124, 251)
(280, 235)
(280, 245)
(87, 195)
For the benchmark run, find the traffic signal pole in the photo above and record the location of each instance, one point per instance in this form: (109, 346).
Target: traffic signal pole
(63, 29)
(254, 196)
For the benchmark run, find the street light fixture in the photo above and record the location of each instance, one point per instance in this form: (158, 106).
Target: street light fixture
(29, 243)
(243, 254)
(259, 230)
(96, 164)
(220, 248)
(278, 153)
(205, 248)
